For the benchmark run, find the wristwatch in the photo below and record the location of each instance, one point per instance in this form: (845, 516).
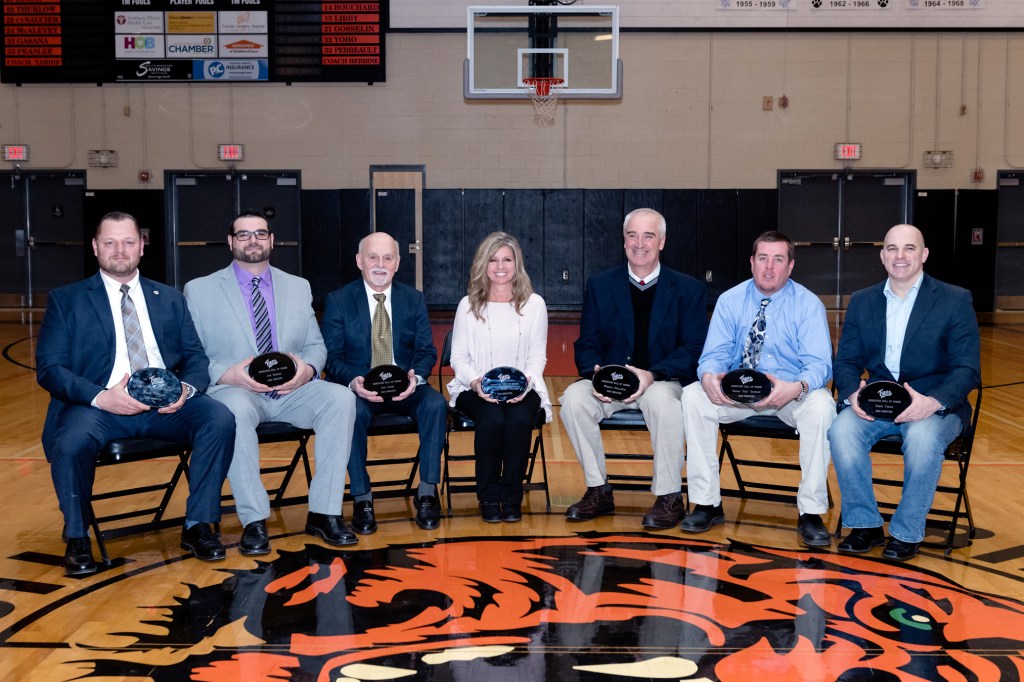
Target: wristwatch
(803, 390)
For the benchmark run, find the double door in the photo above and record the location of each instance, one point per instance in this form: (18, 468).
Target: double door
(200, 206)
(1010, 246)
(47, 242)
(838, 220)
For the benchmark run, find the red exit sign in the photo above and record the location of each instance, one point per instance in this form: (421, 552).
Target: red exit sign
(231, 152)
(15, 152)
(847, 151)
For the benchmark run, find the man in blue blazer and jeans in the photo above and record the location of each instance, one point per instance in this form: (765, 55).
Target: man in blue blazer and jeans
(83, 360)
(348, 319)
(922, 333)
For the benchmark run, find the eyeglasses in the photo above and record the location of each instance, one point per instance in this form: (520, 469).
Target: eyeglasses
(246, 235)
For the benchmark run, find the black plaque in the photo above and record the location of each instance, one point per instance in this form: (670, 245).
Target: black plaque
(272, 369)
(746, 386)
(154, 387)
(616, 382)
(883, 399)
(504, 383)
(386, 380)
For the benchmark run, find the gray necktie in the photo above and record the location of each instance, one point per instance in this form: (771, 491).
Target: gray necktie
(137, 357)
(755, 338)
(380, 344)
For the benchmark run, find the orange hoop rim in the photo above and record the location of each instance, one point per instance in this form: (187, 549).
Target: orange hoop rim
(542, 86)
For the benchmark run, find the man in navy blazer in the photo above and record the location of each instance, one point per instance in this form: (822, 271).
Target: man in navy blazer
(920, 332)
(82, 360)
(653, 320)
(347, 322)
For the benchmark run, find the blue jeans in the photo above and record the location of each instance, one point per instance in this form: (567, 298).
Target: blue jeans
(924, 442)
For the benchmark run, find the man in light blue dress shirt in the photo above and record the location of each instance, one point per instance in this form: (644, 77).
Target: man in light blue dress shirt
(922, 333)
(795, 352)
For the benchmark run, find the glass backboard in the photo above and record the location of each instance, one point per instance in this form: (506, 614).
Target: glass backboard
(578, 44)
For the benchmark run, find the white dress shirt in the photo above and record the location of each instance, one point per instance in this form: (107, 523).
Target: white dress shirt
(121, 364)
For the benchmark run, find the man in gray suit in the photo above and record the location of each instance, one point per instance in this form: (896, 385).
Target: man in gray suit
(248, 309)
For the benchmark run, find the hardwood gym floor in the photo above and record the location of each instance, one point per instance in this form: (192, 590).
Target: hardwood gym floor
(541, 599)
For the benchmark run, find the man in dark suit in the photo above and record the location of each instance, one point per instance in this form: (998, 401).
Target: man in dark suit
(654, 321)
(84, 358)
(922, 333)
(399, 314)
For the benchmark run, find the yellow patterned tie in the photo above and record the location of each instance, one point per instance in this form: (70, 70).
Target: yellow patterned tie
(381, 341)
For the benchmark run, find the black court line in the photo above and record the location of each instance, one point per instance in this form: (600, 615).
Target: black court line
(55, 560)
(30, 586)
(999, 556)
(39, 558)
(7, 353)
(1012, 383)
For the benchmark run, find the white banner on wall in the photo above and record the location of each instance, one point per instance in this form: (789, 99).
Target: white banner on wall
(755, 4)
(870, 5)
(945, 4)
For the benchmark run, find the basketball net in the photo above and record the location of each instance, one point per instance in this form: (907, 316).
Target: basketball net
(544, 93)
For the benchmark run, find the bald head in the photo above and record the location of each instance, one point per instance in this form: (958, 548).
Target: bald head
(904, 233)
(377, 260)
(903, 255)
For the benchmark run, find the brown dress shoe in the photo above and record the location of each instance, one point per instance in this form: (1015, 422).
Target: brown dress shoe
(597, 501)
(667, 512)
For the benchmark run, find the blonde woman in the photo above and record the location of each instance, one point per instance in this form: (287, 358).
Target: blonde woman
(501, 322)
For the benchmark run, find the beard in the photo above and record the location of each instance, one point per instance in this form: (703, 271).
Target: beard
(379, 278)
(119, 267)
(246, 255)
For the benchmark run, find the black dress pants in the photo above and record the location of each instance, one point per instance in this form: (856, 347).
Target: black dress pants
(501, 444)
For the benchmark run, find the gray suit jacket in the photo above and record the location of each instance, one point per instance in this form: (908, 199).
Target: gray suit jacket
(221, 317)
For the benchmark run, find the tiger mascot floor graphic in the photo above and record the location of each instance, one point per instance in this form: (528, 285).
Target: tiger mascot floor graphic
(589, 607)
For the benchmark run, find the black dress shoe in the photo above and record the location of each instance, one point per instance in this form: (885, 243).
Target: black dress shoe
(861, 540)
(363, 520)
(666, 512)
(330, 528)
(490, 512)
(812, 531)
(511, 512)
(201, 541)
(254, 539)
(428, 512)
(897, 550)
(597, 501)
(78, 557)
(702, 518)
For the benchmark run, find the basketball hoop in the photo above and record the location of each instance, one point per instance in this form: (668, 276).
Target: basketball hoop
(544, 93)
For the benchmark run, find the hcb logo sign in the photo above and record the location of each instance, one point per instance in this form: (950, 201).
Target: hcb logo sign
(139, 42)
(139, 46)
